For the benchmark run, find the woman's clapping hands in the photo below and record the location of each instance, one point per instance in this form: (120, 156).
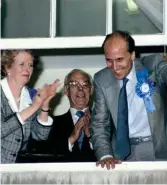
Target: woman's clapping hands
(45, 94)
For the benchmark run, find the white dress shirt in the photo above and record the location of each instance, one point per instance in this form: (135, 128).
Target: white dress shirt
(75, 119)
(137, 114)
(25, 101)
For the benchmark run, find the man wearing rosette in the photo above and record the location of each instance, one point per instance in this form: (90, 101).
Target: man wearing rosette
(128, 122)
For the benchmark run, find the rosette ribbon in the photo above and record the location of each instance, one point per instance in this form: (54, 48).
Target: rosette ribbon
(32, 92)
(145, 89)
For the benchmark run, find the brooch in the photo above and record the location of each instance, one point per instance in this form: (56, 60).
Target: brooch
(145, 88)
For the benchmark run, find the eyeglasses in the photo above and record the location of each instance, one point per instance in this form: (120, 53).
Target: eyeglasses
(76, 84)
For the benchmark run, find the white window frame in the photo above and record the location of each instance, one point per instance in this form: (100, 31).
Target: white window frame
(81, 42)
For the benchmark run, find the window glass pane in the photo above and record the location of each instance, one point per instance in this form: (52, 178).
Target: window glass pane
(81, 17)
(138, 16)
(25, 18)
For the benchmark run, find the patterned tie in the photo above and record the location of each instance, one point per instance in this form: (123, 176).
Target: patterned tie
(122, 133)
(80, 140)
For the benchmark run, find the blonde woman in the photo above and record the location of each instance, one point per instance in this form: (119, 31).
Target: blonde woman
(24, 111)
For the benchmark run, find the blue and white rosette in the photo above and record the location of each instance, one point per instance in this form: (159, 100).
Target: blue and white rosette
(145, 89)
(32, 92)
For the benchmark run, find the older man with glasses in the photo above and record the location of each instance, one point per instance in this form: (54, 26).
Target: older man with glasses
(70, 135)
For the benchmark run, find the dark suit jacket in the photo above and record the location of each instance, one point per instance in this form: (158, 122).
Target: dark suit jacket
(58, 140)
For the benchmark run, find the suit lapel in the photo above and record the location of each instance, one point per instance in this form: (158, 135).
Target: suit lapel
(113, 96)
(112, 89)
(69, 122)
(157, 115)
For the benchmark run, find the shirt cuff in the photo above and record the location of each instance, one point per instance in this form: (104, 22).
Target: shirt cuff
(105, 156)
(70, 146)
(48, 123)
(19, 118)
(91, 146)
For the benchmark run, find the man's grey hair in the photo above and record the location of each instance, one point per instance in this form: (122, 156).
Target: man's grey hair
(68, 76)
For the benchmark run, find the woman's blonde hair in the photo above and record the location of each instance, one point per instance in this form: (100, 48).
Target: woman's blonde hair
(7, 59)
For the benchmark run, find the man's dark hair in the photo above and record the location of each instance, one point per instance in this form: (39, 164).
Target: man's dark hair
(125, 35)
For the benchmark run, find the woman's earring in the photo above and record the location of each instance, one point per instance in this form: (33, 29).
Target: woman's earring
(8, 74)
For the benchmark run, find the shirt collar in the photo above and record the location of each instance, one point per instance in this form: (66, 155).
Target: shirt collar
(73, 110)
(73, 114)
(25, 99)
(131, 76)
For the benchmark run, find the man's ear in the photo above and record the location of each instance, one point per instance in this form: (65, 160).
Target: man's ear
(133, 55)
(65, 90)
(91, 90)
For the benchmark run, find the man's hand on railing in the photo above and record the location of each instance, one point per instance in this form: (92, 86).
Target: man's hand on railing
(108, 162)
